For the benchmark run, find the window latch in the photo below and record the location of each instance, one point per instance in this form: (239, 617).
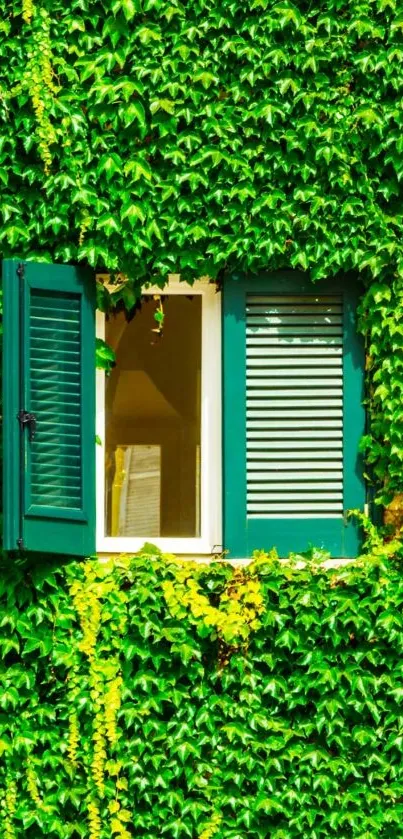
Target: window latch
(27, 420)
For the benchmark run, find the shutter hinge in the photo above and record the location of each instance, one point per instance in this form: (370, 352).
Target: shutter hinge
(21, 269)
(20, 544)
(25, 418)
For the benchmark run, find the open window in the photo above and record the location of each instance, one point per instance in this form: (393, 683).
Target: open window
(293, 371)
(159, 421)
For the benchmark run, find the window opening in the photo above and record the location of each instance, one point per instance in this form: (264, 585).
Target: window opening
(153, 422)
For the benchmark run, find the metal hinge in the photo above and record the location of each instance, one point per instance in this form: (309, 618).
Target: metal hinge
(26, 419)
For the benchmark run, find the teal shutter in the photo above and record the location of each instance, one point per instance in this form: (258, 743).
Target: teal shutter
(49, 383)
(293, 415)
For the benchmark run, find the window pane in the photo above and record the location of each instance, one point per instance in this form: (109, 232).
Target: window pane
(152, 452)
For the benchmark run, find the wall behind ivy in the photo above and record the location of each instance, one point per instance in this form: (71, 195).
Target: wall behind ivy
(154, 136)
(121, 715)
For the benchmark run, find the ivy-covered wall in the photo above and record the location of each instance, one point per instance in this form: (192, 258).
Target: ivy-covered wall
(155, 136)
(142, 698)
(151, 699)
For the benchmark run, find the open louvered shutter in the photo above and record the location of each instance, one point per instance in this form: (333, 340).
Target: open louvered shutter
(293, 415)
(49, 408)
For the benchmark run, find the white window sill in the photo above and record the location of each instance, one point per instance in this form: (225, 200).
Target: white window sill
(180, 547)
(208, 557)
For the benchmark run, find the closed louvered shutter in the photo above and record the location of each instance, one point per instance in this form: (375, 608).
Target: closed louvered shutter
(49, 372)
(293, 415)
(294, 401)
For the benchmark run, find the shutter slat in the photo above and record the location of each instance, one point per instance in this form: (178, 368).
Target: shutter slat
(49, 434)
(308, 507)
(294, 510)
(57, 383)
(292, 413)
(255, 342)
(294, 406)
(53, 404)
(48, 333)
(297, 424)
(298, 361)
(53, 500)
(318, 315)
(68, 471)
(54, 461)
(272, 458)
(69, 481)
(51, 302)
(310, 445)
(310, 349)
(57, 348)
(61, 365)
(282, 321)
(47, 449)
(277, 486)
(260, 387)
(65, 317)
(304, 495)
(287, 435)
(284, 478)
(278, 299)
(42, 336)
(275, 402)
(299, 373)
(311, 391)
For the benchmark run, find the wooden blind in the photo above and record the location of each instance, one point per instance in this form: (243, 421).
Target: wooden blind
(140, 500)
(294, 395)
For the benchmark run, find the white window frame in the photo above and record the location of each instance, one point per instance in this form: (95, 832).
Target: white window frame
(210, 539)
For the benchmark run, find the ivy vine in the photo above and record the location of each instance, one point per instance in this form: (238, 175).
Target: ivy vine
(38, 78)
(236, 613)
(118, 717)
(382, 324)
(105, 685)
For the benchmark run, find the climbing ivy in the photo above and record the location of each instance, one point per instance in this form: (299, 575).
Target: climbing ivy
(127, 711)
(143, 698)
(240, 604)
(39, 82)
(155, 136)
(382, 323)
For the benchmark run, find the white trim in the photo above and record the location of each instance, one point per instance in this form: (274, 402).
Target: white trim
(211, 498)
